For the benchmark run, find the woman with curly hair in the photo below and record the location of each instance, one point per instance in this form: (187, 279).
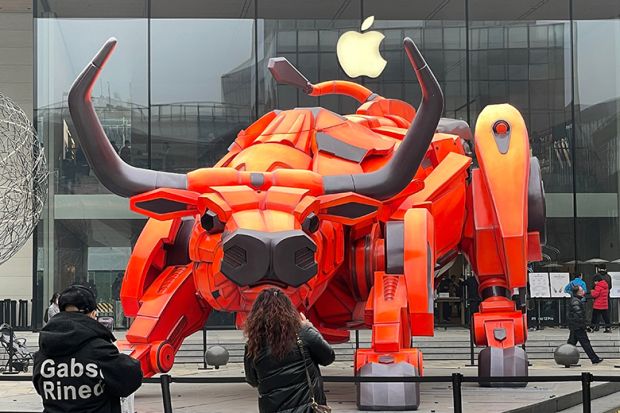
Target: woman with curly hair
(277, 334)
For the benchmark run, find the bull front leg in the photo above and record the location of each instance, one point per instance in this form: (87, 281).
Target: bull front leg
(170, 311)
(505, 207)
(400, 305)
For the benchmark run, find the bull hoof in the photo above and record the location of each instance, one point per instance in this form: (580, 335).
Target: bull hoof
(388, 396)
(502, 362)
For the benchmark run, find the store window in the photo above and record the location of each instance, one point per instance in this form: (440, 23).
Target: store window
(120, 95)
(596, 48)
(305, 33)
(203, 81)
(188, 75)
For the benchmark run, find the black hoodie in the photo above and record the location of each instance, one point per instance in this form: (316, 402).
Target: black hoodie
(79, 369)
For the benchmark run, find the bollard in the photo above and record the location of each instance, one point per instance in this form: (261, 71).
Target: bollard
(586, 397)
(357, 339)
(471, 343)
(457, 379)
(204, 348)
(23, 314)
(6, 309)
(165, 392)
(13, 312)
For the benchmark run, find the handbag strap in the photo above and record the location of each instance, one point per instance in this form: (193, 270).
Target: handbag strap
(300, 345)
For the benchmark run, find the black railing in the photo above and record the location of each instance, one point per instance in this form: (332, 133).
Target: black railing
(456, 379)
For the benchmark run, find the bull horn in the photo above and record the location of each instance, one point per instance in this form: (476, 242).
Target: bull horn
(398, 172)
(117, 176)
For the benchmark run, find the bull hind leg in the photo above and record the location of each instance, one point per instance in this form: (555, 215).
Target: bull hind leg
(502, 233)
(400, 305)
(170, 311)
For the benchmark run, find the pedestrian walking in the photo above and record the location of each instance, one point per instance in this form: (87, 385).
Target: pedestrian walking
(282, 355)
(577, 324)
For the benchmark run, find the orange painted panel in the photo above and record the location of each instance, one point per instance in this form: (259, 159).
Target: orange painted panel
(419, 265)
(247, 136)
(534, 250)
(146, 261)
(504, 160)
(268, 157)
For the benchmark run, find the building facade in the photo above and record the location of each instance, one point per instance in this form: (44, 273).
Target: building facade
(188, 75)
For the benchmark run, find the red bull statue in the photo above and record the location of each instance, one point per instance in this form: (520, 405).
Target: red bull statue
(353, 216)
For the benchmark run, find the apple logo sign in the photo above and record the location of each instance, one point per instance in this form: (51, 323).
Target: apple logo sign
(358, 53)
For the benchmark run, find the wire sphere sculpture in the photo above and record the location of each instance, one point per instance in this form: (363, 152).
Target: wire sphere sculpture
(23, 178)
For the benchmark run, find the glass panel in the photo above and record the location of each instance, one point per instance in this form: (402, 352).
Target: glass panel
(119, 96)
(596, 52)
(203, 93)
(439, 32)
(306, 33)
(90, 9)
(94, 253)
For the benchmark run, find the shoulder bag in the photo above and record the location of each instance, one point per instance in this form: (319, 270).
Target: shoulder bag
(317, 408)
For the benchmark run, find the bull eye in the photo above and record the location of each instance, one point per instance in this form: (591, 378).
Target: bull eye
(311, 223)
(211, 223)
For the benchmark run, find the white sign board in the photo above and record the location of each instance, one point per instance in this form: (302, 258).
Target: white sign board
(559, 280)
(615, 284)
(539, 285)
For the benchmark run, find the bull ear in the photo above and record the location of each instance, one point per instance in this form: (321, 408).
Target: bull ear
(348, 208)
(165, 203)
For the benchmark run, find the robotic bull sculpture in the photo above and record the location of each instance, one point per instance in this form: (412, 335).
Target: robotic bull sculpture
(352, 216)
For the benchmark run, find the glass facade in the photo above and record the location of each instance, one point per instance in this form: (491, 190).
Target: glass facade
(188, 75)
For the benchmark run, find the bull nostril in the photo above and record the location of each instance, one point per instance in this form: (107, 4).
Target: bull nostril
(235, 256)
(304, 258)
(252, 257)
(246, 257)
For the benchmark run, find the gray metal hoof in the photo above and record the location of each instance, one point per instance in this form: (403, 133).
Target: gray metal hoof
(388, 396)
(498, 362)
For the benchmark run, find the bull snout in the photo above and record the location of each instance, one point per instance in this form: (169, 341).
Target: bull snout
(253, 257)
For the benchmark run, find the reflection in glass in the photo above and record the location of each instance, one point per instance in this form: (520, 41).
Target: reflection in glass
(120, 95)
(202, 92)
(530, 73)
(525, 61)
(597, 134)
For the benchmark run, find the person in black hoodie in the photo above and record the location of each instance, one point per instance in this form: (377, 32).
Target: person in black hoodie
(577, 324)
(77, 367)
(277, 333)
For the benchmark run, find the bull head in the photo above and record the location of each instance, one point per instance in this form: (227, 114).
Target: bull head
(256, 226)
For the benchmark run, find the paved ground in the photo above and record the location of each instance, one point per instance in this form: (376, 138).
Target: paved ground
(436, 397)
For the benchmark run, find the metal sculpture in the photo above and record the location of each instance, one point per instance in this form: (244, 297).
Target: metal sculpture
(352, 216)
(23, 178)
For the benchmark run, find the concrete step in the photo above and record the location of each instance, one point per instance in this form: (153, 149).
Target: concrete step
(604, 400)
(447, 345)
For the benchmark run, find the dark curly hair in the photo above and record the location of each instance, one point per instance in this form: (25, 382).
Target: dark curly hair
(273, 322)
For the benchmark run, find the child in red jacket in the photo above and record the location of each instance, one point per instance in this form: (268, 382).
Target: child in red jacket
(600, 293)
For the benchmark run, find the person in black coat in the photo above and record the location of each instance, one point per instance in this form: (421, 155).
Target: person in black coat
(577, 324)
(77, 367)
(273, 359)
